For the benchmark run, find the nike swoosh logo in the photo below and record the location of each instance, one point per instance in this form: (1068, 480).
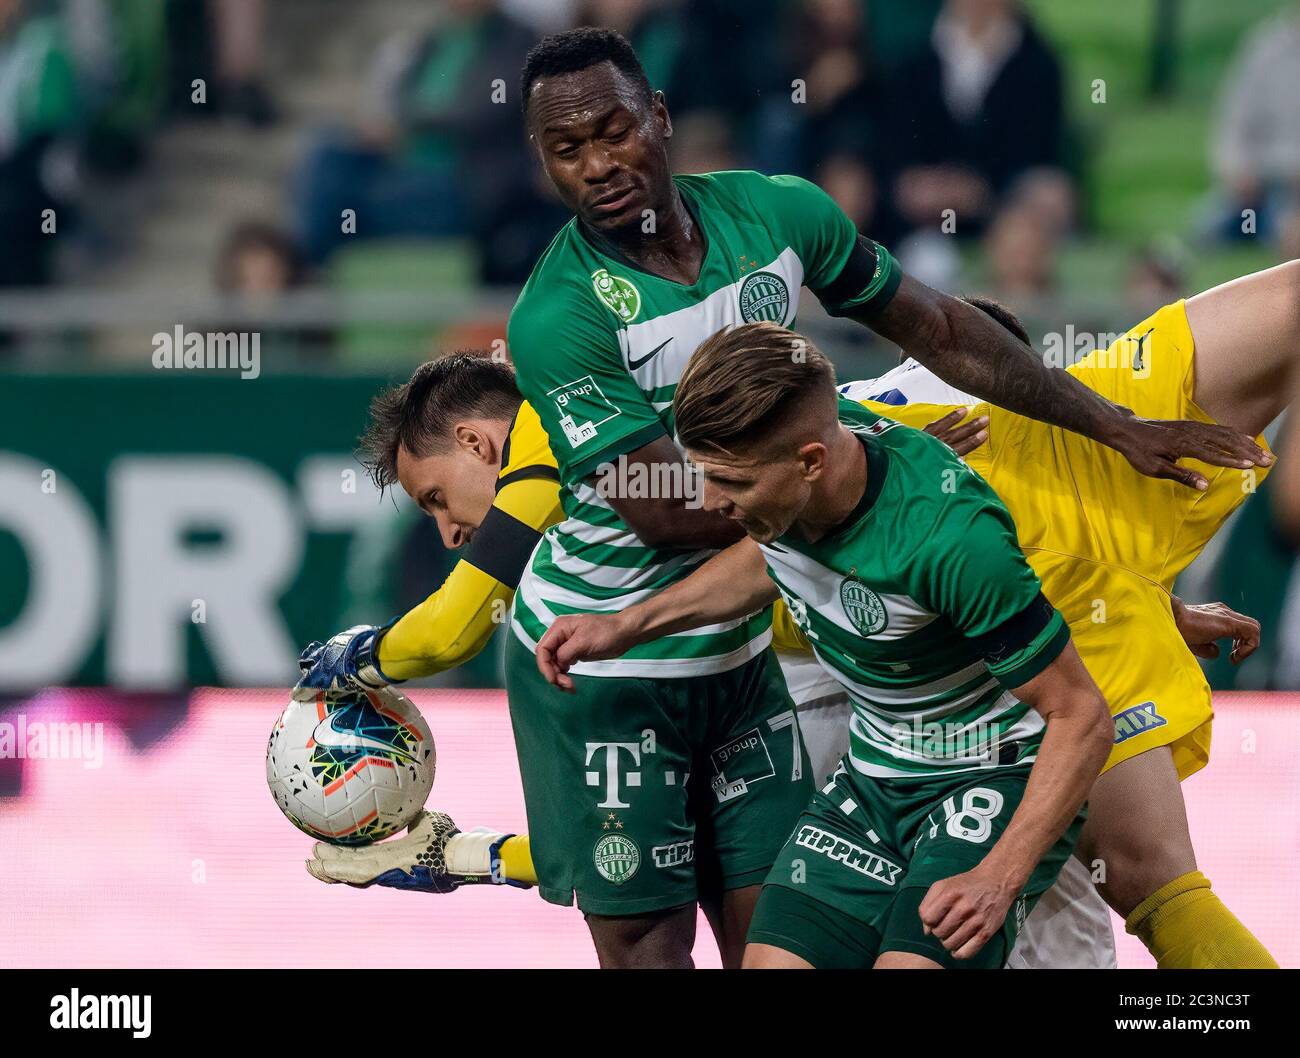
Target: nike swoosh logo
(327, 735)
(632, 365)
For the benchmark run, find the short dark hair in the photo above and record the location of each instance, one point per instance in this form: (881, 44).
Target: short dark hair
(1001, 314)
(578, 49)
(418, 415)
(258, 235)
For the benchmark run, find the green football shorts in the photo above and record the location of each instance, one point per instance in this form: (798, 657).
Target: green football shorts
(644, 794)
(849, 882)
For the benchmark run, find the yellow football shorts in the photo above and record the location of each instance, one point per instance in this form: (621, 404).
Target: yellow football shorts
(1107, 542)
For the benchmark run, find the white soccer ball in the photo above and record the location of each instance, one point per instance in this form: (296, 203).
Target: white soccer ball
(351, 768)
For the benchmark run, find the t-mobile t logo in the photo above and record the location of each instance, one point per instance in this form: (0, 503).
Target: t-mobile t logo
(612, 791)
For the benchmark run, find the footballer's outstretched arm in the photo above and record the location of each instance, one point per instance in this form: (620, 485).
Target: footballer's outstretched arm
(453, 624)
(966, 910)
(669, 521)
(968, 349)
(732, 584)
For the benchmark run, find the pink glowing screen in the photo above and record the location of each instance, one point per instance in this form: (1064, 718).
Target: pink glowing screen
(171, 853)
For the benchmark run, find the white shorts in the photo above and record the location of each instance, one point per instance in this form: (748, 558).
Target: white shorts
(823, 708)
(1068, 929)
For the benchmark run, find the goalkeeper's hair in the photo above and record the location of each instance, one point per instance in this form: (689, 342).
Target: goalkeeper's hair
(419, 414)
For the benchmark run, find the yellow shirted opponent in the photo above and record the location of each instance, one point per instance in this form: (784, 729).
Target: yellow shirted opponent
(454, 623)
(1108, 543)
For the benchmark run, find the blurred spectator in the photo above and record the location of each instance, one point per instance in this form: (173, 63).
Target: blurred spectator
(661, 39)
(1289, 237)
(1021, 251)
(931, 257)
(1047, 192)
(220, 42)
(444, 156)
(120, 52)
(38, 107)
(519, 227)
(257, 264)
(91, 32)
(850, 182)
(900, 30)
(241, 86)
(737, 55)
(825, 53)
(259, 261)
(1255, 150)
(702, 143)
(545, 16)
(980, 109)
(1157, 276)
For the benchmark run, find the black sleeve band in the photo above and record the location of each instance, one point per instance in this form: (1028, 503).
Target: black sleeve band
(502, 546)
(1016, 633)
(537, 470)
(856, 275)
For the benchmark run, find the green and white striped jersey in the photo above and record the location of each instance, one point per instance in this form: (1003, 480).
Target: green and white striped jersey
(599, 346)
(922, 606)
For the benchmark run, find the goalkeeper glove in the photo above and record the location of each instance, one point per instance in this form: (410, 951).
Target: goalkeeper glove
(431, 857)
(348, 662)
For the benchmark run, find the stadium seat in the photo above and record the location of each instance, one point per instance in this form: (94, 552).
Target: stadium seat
(396, 267)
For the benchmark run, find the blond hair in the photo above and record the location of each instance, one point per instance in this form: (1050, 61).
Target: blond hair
(743, 385)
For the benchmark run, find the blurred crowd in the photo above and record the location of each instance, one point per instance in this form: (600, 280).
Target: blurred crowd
(940, 126)
(947, 129)
(958, 108)
(925, 119)
(83, 86)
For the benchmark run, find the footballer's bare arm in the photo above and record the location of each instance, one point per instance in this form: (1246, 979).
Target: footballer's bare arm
(968, 349)
(966, 910)
(665, 521)
(730, 585)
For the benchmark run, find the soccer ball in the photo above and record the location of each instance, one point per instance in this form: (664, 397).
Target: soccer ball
(353, 767)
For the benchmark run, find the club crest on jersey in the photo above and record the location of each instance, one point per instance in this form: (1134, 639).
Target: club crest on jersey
(764, 297)
(863, 606)
(617, 294)
(617, 858)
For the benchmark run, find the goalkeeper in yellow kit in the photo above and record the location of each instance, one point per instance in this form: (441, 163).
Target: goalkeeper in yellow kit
(1106, 542)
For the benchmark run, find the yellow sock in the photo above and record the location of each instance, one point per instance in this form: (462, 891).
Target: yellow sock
(1187, 927)
(517, 860)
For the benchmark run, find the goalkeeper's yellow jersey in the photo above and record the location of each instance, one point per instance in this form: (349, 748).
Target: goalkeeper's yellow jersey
(456, 621)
